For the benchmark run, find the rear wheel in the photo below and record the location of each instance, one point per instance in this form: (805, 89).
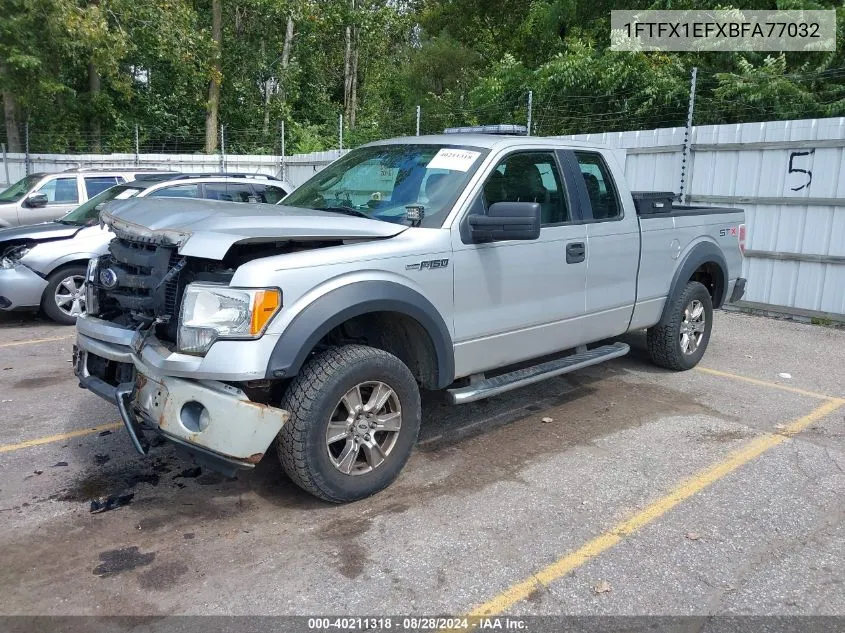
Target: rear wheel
(64, 298)
(680, 343)
(355, 416)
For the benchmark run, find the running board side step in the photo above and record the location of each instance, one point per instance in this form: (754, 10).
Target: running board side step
(522, 377)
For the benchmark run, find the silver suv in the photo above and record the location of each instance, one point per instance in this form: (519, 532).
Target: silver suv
(41, 197)
(44, 265)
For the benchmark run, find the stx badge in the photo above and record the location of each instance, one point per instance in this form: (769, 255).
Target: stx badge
(430, 264)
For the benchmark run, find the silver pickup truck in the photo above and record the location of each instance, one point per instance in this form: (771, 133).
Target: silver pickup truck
(469, 262)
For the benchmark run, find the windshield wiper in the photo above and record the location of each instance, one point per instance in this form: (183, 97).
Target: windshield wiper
(346, 211)
(67, 222)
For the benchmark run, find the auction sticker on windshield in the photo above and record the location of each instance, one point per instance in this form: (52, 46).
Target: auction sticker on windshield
(453, 159)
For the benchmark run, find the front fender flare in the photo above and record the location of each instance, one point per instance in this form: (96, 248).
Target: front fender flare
(701, 253)
(324, 314)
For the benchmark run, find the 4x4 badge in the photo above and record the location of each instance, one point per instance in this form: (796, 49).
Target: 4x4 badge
(430, 264)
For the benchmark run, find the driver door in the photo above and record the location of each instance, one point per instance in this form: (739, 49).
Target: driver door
(516, 300)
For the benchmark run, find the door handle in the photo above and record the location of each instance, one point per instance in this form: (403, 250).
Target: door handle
(576, 252)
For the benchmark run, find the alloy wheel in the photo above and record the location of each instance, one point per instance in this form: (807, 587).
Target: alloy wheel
(363, 428)
(692, 327)
(70, 295)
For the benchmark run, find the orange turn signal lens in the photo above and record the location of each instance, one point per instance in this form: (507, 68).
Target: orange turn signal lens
(266, 304)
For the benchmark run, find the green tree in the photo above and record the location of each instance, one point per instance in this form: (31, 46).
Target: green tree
(85, 73)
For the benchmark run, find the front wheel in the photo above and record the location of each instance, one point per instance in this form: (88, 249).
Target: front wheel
(64, 297)
(355, 416)
(680, 343)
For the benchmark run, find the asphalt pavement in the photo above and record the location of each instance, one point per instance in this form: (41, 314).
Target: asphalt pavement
(714, 491)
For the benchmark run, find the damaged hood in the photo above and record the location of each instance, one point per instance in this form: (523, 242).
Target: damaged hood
(209, 228)
(39, 232)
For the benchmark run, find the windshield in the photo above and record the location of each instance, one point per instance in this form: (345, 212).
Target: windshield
(20, 188)
(380, 182)
(89, 212)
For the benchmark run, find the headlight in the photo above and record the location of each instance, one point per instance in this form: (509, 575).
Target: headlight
(13, 255)
(92, 304)
(212, 311)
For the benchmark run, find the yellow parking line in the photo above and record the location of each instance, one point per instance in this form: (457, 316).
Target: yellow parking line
(8, 448)
(33, 341)
(753, 449)
(766, 383)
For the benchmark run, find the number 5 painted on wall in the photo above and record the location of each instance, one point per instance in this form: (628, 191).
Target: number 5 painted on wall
(796, 170)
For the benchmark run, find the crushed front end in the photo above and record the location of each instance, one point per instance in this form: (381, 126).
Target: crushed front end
(126, 352)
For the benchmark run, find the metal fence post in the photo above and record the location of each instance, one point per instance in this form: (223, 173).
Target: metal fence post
(340, 128)
(26, 146)
(137, 147)
(284, 163)
(686, 163)
(530, 108)
(222, 148)
(6, 164)
(418, 120)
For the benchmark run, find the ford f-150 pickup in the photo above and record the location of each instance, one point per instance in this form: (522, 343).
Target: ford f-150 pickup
(467, 262)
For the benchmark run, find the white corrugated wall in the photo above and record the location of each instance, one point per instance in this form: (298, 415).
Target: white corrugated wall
(296, 169)
(789, 176)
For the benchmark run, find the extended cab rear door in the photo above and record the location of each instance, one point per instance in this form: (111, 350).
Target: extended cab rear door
(613, 243)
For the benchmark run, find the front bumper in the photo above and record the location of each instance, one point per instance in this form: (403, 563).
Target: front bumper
(213, 420)
(20, 287)
(233, 361)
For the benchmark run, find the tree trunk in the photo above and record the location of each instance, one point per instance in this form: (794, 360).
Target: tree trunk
(265, 88)
(350, 70)
(266, 127)
(282, 78)
(93, 92)
(286, 58)
(10, 110)
(288, 42)
(347, 71)
(353, 97)
(216, 74)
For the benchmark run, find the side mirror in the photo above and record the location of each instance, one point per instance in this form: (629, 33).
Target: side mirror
(506, 221)
(36, 201)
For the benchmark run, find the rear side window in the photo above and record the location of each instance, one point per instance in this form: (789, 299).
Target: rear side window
(600, 186)
(177, 191)
(269, 193)
(98, 184)
(229, 191)
(60, 191)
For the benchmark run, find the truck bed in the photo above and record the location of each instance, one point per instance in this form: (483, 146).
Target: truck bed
(660, 204)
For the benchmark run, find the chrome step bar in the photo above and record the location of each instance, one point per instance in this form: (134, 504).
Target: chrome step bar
(522, 377)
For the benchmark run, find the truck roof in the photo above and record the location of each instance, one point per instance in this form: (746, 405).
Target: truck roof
(488, 141)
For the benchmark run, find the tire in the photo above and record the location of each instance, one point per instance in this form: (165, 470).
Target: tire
(666, 345)
(58, 285)
(321, 398)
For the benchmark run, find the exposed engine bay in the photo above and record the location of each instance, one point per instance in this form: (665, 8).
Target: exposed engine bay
(140, 282)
